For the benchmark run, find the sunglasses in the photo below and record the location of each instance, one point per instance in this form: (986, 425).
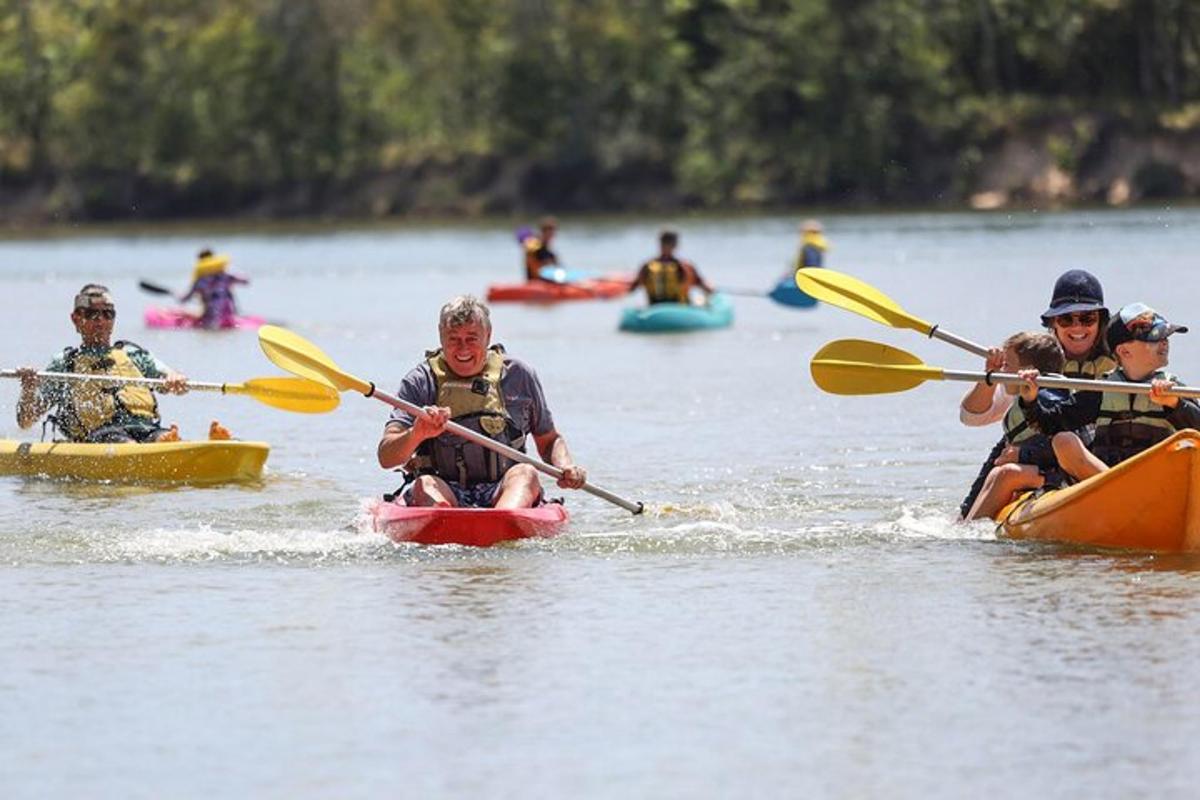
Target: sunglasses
(1082, 318)
(98, 313)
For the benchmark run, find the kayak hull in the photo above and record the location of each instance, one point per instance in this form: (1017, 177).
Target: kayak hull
(473, 527)
(168, 318)
(1149, 502)
(200, 462)
(787, 293)
(603, 288)
(678, 317)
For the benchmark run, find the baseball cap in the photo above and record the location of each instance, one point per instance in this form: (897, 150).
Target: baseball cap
(93, 295)
(1139, 322)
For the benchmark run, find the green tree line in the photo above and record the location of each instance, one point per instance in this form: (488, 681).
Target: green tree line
(173, 107)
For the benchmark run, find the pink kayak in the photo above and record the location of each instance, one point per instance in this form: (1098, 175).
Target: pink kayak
(476, 527)
(157, 317)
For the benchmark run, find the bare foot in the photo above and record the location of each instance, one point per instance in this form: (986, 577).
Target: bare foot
(172, 435)
(218, 432)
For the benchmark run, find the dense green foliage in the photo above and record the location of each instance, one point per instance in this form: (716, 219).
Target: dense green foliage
(220, 105)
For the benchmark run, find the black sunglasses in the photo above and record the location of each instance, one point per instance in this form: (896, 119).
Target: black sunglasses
(97, 313)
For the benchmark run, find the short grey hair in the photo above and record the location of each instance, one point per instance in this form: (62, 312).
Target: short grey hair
(463, 310)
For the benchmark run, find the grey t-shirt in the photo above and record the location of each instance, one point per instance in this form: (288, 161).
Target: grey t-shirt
(519, 384)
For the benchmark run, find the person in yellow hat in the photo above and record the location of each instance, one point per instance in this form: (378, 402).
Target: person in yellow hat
(812, 244)
(214, 286)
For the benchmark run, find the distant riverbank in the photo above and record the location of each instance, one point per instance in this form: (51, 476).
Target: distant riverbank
(1057, 163)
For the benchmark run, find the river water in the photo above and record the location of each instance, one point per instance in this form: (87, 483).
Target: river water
(797, 614)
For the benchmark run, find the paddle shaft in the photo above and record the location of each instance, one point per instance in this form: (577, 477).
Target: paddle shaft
(1052, 382)
(966, 344)
(505, 450)
(201, 386)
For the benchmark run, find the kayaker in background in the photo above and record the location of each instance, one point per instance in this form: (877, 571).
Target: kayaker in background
(1027, 459)
(475, 384)
(90, 411)
(1077, 317)
(667, 278)
(1126, 424)
(537, 248)
(812, 245)
(213, 284)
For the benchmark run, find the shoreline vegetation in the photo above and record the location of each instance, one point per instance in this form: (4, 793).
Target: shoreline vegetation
(144, 111)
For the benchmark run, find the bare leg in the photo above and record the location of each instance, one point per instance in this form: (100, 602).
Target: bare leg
(520, 488)
(430, 490)
(1075, 459)
(1002, 483)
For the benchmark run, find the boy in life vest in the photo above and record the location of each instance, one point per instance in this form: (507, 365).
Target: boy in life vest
(812, 245)
(537, 248)
(475, 384)
(92, 411)
(1027, 458)
(666, 278)
(214, 286)
(1126, 424)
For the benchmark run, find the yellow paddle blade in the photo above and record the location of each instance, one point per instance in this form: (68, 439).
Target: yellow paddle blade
(856, 366)
(843, 291)
(290, 394)
(299, 356)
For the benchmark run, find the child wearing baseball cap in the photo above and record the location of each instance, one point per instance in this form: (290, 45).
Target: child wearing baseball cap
(1126, 424)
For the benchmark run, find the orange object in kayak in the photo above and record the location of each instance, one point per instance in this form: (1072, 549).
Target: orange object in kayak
(604, 288)
(475, 527)
(1149, 502)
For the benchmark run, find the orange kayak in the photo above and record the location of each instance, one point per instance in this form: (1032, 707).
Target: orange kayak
(603, 288)
(1150, 502)
(475, 527)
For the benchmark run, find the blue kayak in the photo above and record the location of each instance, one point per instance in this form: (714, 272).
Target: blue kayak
(787, 293)
(678, 317)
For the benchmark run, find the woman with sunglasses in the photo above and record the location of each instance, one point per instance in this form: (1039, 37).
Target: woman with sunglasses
(90, 411)
(1077, 317)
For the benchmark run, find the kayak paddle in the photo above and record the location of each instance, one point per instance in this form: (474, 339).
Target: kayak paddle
(865, 300)
(290, 394)
(297, 355)
(153, 288)
(857, 367)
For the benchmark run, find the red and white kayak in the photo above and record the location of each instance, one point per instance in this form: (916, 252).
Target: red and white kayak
(601, 288)
(475, 527)
(158, 317)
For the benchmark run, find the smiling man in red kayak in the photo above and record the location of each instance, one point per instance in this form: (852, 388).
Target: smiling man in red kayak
(475, 384)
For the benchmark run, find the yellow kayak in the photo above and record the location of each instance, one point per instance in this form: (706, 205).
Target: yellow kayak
(165, 462)
(1150, 502)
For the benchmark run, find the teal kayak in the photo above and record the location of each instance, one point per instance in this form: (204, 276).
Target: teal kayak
(678, 317)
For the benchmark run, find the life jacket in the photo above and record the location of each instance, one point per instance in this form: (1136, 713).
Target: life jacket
(92, 404)
(1016, 428)
(812, 250)
(537, 255)
(1131, 423)
(666, 281)
(1089, 368)
(476, 403)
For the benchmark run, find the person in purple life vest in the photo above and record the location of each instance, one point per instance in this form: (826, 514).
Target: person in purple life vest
(213, 285)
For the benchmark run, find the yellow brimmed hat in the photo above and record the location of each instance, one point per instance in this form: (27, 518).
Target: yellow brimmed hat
(210, 265)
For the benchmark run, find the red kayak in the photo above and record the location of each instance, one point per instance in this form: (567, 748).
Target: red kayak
(602, 288)
(476, 527)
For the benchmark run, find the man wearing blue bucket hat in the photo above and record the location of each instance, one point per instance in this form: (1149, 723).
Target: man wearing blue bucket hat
(1126, 424)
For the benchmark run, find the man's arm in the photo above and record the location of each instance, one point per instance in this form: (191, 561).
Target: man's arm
(553, 449)
(32, 403)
